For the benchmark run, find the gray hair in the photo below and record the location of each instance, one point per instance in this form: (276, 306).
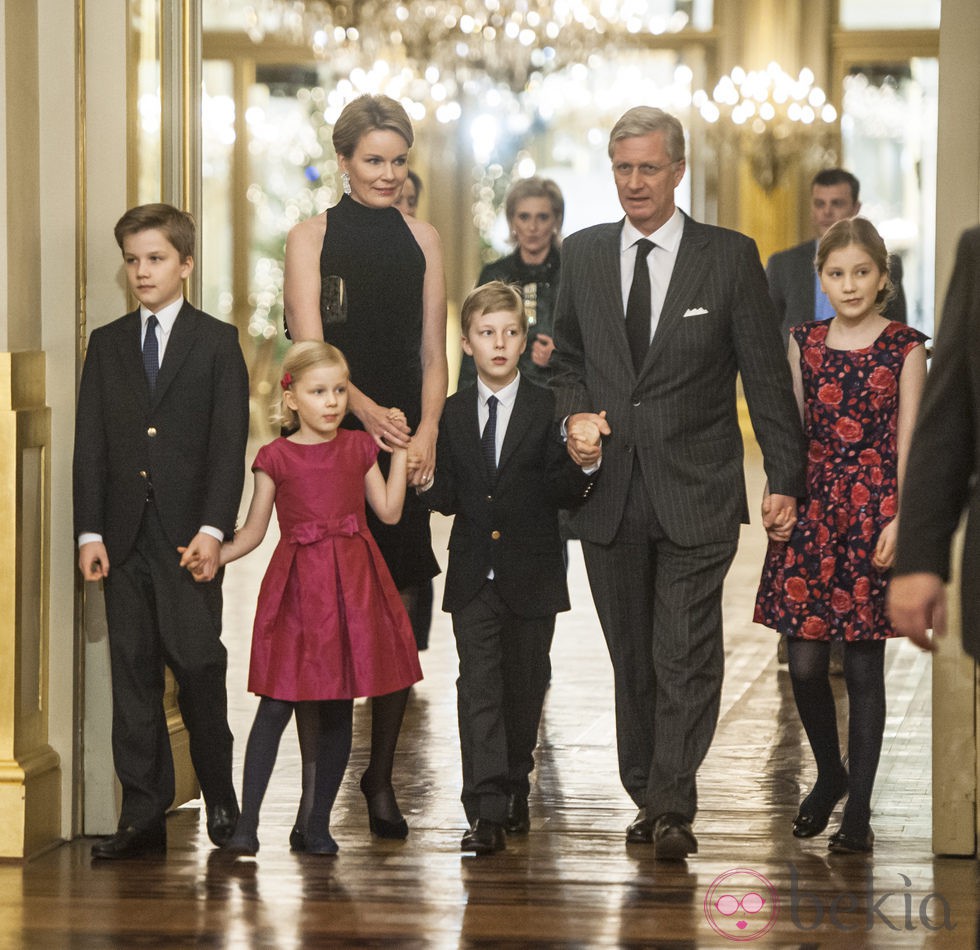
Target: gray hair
(642, 120)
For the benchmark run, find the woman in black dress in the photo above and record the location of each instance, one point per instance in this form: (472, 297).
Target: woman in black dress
(370, 280)
(535, 209)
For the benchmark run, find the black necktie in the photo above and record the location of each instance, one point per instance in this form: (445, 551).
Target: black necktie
(151, 351)
(489, 439)
(638, 305)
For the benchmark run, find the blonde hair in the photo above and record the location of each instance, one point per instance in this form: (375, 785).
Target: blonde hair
(492, 297)
(859, 232)
(368, 113)
(298, 359)
(535, 187)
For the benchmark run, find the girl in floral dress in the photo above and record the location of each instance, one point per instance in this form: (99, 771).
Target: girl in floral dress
(858, 379)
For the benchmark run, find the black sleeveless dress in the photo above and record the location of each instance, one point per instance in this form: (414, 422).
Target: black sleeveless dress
(383, 270)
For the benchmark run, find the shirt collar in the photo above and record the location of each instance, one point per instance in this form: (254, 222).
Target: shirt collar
(166, 316)
(507, 395)
(667, 236)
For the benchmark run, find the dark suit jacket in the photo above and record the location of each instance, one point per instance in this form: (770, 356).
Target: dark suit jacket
(513, 528)
(791, 286)
(679, 415)
(944, 460)
(189, 438)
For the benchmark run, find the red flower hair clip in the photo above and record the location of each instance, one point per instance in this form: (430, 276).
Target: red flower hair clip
(286, 381)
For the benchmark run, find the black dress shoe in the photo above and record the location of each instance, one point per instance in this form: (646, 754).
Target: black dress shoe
(484, 837)
(843, 843)
(641, 829)
(673, 839)
(131, 843)
(518, 820)
(222, 820)
(813, 818)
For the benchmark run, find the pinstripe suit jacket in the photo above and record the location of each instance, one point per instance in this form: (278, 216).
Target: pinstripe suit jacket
(679, 415)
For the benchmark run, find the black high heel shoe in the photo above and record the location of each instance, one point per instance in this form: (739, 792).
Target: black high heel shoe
(297, 840)
(381, 827)
(812, 819)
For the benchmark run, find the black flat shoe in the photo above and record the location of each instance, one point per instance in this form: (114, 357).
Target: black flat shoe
(245, 845)
(381, 827)
(812, 820)
(842, 843)
(323, 845)
(297, 840)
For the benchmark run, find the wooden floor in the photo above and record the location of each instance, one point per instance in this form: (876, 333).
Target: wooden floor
(572, 882)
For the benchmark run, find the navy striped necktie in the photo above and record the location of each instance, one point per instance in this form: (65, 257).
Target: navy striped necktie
(489, 439)
(151, 352)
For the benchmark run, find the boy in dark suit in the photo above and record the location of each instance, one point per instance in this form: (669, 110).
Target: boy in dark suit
(503, 472)
(159, 463)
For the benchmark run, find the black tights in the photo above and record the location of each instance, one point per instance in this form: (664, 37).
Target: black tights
(387, 713)
(327, 728)
(864, 674)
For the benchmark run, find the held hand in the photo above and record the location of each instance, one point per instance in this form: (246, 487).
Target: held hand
(779, 516)
(387, 427)
(93, 561)
(884, 555)
(585, 431)
(422, 455)
(193, 565)
(541, 349)
(202, 557)
(917, 602)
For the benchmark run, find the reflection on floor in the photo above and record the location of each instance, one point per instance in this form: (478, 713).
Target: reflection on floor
(572, 881)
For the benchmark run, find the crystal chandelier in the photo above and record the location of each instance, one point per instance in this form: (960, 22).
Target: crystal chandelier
(458, 42)
(771, 118)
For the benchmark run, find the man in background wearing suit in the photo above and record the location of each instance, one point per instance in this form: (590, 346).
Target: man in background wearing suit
(159, 463)
(941, 474)
(793, 282)
(662, 525)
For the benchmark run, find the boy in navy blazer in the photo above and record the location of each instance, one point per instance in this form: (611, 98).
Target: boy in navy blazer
(159, 464)
(503, 471)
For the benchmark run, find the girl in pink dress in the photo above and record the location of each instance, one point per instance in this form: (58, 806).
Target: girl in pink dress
(329, 624)
(858, 379)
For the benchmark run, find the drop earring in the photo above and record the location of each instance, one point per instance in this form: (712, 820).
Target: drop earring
(345, 178)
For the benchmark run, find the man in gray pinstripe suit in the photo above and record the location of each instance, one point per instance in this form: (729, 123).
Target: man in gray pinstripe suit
(661, 529)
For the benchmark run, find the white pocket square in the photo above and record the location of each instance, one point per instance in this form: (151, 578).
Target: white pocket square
(695, 312)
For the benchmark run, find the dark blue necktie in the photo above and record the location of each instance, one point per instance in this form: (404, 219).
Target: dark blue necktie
(638, 305)
(151, 352)
(489, 439)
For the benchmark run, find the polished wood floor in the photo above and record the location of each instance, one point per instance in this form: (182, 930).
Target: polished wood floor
(572, 882)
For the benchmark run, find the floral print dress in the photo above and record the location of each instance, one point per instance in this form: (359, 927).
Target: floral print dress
(821, 584)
